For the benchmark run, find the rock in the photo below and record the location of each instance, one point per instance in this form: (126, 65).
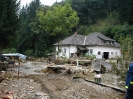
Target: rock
(1, 79)
(31, 80)
(5, 84)
(40, 94)
(43, 97)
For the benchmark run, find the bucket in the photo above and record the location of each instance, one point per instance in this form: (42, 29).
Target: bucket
(98, 78)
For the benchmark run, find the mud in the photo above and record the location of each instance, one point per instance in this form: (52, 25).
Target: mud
(65, 87)
(55, 86)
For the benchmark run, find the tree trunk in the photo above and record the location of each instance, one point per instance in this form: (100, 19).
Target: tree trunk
(35, 45)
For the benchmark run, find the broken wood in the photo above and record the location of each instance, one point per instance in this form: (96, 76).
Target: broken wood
(51, 64)
(56, 69)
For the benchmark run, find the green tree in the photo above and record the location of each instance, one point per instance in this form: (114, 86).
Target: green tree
(80, 7)
(32, 40)
(89, 11)
(121, 67)
(126, 48)
(9, 23)
(125, 11)
(59, 20)
(41, 37)
(119, 30)
(27, 38)
(82, 30)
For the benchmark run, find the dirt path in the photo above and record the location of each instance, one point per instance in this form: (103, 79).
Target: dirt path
(64, 87)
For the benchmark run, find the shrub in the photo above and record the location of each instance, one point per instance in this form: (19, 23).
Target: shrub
(9, 50)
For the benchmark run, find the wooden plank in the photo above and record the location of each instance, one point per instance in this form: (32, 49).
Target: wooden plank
(107, 85)
(104, 85)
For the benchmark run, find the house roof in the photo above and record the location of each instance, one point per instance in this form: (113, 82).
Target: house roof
(95, 38)
(74, 39)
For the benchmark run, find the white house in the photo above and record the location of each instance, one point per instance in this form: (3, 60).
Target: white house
(90, 44)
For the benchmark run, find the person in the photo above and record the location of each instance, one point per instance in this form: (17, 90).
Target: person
(98, 56)
(129, 82)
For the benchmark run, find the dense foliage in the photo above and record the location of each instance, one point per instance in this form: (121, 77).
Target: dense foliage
(9, 23)
(28, 29)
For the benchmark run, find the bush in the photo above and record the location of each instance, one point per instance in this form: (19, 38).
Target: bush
(91, 57)
(28, 52)
(9, 50)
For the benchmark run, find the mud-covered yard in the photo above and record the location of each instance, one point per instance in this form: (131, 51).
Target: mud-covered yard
(34, 84)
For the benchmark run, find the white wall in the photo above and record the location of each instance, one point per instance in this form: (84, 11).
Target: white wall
(73, 49)
(69, 49)
(105, 49)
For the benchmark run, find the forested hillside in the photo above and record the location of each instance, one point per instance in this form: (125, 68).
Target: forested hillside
(34, 28)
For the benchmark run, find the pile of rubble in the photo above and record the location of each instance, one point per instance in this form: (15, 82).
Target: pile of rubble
(22, 88)
(52, 85)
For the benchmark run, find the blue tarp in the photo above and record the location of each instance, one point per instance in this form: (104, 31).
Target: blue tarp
(16, 54)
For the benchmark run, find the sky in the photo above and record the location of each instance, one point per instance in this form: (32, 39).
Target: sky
(45, 2)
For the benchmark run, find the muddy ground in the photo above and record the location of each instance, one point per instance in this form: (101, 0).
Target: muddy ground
(33, 84)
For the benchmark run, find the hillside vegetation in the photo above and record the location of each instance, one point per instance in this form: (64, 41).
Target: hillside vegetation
(34, 28)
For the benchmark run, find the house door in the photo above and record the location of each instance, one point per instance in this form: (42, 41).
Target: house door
(105, 55)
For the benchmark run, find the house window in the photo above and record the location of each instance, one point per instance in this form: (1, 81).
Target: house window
(64, 50)
(72, 55)
(91, 51)
(88, 51)
(112, 53)
(116, 53)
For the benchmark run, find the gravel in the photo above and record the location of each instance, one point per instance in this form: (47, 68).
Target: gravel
(35, 85)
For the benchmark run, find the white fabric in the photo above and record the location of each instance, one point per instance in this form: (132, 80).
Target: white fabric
(99, 57)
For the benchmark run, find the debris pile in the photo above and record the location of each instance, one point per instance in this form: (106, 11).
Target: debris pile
(6, 95)
(53, 83)
(22, 89)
